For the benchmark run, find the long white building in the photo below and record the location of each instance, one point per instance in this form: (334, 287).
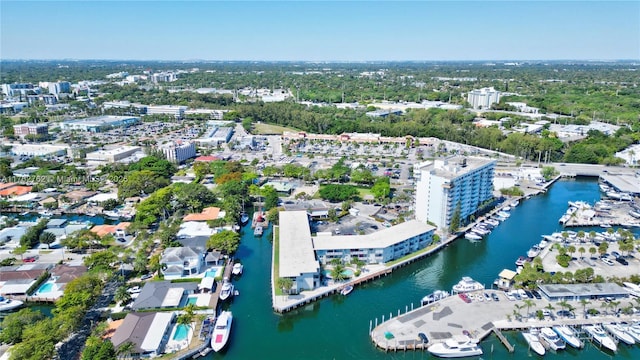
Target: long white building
(483, 98)
(457, 182)
(297, 261)
(179, 151)
(376, 248)
(174, 110)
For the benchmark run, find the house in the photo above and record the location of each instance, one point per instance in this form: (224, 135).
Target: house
(56, 223)
(207, 214)
(12, 234)
(214, 258)
(15, 190)
(149, 332)
(163, 294)
(192, 229)
(116, 230)
(315, 209)
(505, 279)
(178, 262)
(78, 195)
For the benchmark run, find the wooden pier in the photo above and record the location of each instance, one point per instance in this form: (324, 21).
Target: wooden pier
(503, 339)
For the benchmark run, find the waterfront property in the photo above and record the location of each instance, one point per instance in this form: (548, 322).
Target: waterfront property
(376, 248)
(297, 259)
(149, 332)
(163, 294)
(576, 292)
(453, 185)
(179, 262)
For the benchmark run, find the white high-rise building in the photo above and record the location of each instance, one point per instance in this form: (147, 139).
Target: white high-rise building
(179, 151)
(483, 98)
(443, 185)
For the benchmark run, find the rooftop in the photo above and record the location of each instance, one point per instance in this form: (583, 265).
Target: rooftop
(623, 182)
(379, 239)
(210, 213)
(454, 166)
(296, 247)
(572, 290)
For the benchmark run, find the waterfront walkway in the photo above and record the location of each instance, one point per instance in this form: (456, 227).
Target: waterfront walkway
(451, 316)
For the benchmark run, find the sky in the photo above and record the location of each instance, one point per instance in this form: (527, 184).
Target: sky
(320, 30)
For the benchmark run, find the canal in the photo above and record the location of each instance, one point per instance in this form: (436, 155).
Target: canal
(337, 327)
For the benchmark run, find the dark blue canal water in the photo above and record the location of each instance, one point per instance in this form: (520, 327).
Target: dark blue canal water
(337, 327)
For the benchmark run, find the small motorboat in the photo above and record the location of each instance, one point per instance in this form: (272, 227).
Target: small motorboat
(9, 304)
(568, 335)
(435, 296)
(346, 290)
(237, 269)
(534, 343)
(600, 337)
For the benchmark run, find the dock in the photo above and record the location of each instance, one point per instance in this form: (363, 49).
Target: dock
(451, 316)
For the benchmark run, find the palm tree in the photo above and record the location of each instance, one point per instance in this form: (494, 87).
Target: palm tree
(337, 273)
(528, 303)
(584, 303)
(285, 284)
(592, 235)
(122, 295)
(581, 235)
(571, 249)
(186, 318)
(550, 307)
(582, 250)
(592, 251)
(124, 350)
(564, 304)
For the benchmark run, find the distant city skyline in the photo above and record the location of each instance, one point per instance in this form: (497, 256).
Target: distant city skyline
(320, 30)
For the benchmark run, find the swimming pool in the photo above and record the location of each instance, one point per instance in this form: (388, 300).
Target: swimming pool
(192, 300)
(346, 272)
(212, 272)
(45, 288)
(182, 331)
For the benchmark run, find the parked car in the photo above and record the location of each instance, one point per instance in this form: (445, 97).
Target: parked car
(464, 297)
(622, 261)
(536, 294)
(30, 259)
(495, 297)
(607, 261)
(146, 276)
(615, 254)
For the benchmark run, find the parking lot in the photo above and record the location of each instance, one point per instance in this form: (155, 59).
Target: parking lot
(610, 264)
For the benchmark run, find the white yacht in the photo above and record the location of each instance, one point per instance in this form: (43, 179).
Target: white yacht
(568, 335)
(435, 296)
(472, 236)
(226, 291)
(221, 330)
(550, 336)
(534, 343)
(633, 330)
(9, 304)
(237, 269)
(619, 333)
(455, 348)
(503, 214)
(600, 337)
(534, 251)
(467, 284)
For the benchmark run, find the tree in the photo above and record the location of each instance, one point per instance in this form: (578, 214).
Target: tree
(584, 303)
(101, 261)
(335, 193)
(337, 273)
(285, 284)
(20, 250)
(549, 172)
(47, 238)
(455, 222)
(187, 317)
(122, 295)
(381, 188)
(528, 303)
(97, 349)
(125, 349)
(270, 197)
(226, 241)
(14, 324)
(141, 182)
(592, 251)
(582, 250)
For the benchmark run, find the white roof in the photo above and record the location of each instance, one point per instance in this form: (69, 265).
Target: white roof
(296, 248)
(377, 240)
(173, 297)
(25, 197)
(194, 228)
(206, 283)
(623, 182)
(103, 197)
(156, 332)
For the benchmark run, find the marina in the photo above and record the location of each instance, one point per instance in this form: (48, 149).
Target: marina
(342, 323)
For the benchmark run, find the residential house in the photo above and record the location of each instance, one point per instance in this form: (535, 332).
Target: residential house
(149, 332)
(178, 262)
(163, 294)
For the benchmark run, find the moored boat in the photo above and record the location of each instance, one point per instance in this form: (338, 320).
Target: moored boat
(568, 335)
(467, 284)
(221, 330)
(237, 269)
(600, 337)
(619, 333)
(226, 291)
(244, 218)
(435, 296)
(633, 330)
(550, 336)
(258, 230)
(472, 236)
(521, 260)
(533, 252)
(9, 304)
(455, 348)
(534, 343)
(346, 290)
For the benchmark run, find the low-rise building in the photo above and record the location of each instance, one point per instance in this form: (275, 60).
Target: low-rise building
(99, 123)
(148, 332)
(113, 155)
(577, 292)
(173, 110)
(297, 259)
(163, 294)
(30, 129)
(207, 214)
(178, 262)
(39, 149)
(178, 151)
(376, 248)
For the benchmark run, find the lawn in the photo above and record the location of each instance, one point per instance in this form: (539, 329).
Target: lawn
(268, 129)
(428, 248)
(276, 259)
(364, 191)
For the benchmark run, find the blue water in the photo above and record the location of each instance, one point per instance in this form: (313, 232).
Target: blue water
(182, 331)
(337, 327)
(346, 272)
(210, 273)
(45, 288)
(192, 300)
